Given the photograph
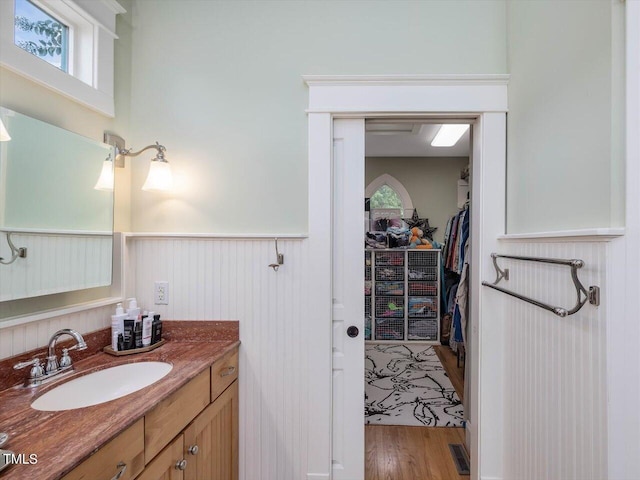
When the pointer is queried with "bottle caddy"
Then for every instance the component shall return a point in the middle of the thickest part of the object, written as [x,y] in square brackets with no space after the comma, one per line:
[133,331]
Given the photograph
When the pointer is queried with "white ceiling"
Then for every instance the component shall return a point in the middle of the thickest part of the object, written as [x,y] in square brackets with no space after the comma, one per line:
[409,139]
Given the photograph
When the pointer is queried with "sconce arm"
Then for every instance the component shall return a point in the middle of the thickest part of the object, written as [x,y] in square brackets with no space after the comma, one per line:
[159,157]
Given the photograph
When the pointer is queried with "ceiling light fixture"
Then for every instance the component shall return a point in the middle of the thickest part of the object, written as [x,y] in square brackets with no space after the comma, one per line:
[449,134]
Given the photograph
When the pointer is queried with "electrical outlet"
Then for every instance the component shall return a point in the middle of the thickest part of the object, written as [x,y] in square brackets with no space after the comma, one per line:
[161,293]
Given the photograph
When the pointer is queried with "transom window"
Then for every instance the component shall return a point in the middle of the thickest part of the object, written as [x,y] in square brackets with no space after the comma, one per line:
[387,192]
[386,197]
[41,34]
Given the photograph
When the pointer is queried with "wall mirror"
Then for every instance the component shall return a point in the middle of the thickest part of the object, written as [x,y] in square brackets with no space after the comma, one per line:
[50,206]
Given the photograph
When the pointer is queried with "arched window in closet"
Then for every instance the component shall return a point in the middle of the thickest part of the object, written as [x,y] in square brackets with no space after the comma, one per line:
[387,192]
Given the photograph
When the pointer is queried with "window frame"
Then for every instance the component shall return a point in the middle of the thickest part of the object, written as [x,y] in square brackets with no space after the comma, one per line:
[91,51]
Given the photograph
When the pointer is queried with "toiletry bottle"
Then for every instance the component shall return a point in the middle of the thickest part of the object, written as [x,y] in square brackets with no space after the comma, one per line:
[156,329]
[129,337]
[133,311]
[137,332]
[117,325]
[147,324]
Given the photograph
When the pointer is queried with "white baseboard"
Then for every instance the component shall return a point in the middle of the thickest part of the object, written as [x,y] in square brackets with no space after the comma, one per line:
[318,476]
[490,478]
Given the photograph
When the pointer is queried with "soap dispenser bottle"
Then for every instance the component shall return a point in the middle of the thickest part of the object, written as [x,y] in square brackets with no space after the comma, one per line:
[147,322]
[117,325]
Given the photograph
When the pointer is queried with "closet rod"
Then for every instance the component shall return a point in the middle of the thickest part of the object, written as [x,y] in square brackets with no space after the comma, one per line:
[592,295]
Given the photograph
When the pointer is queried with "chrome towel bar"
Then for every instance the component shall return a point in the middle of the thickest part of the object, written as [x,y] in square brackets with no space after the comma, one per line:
[583,295]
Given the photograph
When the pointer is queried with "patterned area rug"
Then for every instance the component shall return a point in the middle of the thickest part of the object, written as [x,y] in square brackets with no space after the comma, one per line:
[407,385]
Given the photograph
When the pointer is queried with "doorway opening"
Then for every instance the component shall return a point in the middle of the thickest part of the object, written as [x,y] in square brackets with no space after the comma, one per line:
[416,271]
[336,111]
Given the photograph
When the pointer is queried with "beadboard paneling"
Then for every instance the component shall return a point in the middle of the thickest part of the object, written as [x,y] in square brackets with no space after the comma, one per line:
[22,338]
[55,263]
[229,279]
[555,368]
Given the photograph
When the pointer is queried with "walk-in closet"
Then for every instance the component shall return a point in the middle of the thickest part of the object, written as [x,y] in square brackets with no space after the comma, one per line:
[416,265]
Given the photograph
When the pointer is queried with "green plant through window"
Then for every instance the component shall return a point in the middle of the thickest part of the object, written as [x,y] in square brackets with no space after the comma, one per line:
[386,197]
[40,34]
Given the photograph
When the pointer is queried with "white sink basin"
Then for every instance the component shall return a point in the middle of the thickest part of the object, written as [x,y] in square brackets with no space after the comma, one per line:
[102,386]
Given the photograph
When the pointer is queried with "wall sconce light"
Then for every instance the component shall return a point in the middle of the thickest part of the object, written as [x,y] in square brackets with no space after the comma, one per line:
[159,178]
[106,180]
[4,135]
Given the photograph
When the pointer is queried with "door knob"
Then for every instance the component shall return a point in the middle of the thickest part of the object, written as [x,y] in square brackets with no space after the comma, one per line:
[353,331]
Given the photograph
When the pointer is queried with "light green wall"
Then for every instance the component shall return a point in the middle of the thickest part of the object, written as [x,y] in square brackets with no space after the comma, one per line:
[432,184]
[29,98]
[565,144]
[219,84]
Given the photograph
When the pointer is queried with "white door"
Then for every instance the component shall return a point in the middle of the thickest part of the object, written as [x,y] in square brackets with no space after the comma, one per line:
[347,453]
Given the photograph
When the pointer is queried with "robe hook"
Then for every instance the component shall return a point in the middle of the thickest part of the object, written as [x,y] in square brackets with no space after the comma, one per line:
[279,258]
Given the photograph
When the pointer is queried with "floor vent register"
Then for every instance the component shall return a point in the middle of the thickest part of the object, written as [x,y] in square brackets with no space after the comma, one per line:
[460,458]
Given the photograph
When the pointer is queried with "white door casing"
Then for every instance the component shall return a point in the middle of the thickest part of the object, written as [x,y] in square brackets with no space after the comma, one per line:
[480,97]
[347,454]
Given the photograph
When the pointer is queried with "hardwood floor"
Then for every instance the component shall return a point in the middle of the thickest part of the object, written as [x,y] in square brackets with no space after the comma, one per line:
[410,453]
[449,362]
[416,453]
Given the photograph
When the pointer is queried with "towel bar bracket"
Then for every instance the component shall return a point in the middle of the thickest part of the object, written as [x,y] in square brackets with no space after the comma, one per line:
[582,294]
[500,273]
[594,295]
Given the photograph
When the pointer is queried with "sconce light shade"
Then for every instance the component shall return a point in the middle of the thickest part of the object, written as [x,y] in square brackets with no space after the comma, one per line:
[4,135]
[159,178]
[105,181]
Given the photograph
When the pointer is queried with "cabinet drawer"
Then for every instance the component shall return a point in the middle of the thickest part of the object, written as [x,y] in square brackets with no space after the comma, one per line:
[128,448]
[174,413]
[164,466]
[223,373]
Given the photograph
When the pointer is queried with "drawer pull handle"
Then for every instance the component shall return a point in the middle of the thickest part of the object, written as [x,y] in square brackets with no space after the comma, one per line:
[193,449]
[228,371]
[122,466]
[181,464]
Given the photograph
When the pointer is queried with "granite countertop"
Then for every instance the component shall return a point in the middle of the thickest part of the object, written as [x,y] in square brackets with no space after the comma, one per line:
[62,440]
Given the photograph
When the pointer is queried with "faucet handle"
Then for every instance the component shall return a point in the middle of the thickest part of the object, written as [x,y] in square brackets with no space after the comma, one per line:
[65,360]
[52,364]
[36,367]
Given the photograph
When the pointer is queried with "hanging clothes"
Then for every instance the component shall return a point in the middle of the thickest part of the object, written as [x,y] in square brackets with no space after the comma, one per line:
[456,260]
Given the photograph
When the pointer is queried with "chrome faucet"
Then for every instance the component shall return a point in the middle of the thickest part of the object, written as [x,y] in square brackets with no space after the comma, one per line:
[52,361]
[39,375]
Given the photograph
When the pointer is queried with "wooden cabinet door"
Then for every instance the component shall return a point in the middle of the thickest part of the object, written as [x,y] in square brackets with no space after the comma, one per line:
[165,465]
[174,413]
[211,441]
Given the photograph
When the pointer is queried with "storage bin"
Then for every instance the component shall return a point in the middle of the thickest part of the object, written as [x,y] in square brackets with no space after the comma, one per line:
[389,329]
[389,307]
[423,307]
[389,288]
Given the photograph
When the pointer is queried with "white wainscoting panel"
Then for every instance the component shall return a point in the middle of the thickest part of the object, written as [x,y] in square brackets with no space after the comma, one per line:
[229,279]
[22,338]
[555,368]
[55,263]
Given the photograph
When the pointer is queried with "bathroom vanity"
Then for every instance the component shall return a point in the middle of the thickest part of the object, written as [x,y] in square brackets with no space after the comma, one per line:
[184,426]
